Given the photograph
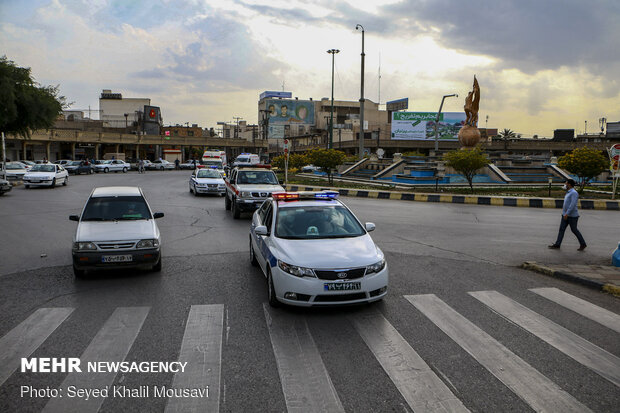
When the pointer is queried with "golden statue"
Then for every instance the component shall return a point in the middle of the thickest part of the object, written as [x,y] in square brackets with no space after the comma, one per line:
[469,135]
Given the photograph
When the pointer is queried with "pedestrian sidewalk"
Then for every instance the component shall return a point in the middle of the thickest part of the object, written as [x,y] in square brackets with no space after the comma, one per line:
[601,277]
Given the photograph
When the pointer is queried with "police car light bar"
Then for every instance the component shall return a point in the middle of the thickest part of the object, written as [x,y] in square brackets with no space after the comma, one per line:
[295,196]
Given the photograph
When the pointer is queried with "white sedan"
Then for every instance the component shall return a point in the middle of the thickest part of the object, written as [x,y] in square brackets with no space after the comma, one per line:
[207,181]
[315,252]
[15,171]
[160,165]
[46,175]
[114,165]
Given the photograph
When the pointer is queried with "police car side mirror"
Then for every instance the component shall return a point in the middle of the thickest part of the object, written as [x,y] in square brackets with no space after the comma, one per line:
[370,226]
[74,218]
[261,230]
[158,215]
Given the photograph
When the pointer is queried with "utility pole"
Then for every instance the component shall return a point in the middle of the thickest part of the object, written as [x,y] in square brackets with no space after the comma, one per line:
[361,143]
[437,120]
[331,122]
[236,135]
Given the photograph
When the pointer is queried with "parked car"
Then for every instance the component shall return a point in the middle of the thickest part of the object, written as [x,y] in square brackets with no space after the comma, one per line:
[15,171]
[114,165]
[160,165]
[46,175]
[310,168]
[5,186]
[29,163]
[78,167]
[63,162]
[189,164]
[116,229]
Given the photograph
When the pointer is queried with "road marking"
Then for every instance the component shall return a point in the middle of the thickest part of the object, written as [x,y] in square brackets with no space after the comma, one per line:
[25,338]
[419,385]
[111,344]
[202,350]
[583,307]
[525,381]
[306,384]
[569,343]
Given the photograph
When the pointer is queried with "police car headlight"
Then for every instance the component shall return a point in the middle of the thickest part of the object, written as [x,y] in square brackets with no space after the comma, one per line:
[246,194]
[376,267]
[147,243]
[295,270]
[84,246]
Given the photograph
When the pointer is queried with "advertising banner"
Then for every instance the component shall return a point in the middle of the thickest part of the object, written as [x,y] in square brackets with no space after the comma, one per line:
[276,132]
[290,111]
[421,125]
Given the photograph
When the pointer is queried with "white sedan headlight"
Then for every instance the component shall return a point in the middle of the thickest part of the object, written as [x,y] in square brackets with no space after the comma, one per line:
[84,246]
[295,270]
[147,243]
[376,267]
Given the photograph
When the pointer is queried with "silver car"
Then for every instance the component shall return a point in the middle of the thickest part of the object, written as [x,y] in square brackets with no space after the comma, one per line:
[116,229]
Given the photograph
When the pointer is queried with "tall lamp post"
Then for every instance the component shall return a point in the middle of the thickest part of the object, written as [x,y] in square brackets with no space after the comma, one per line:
[361,143]
[437,119]
[331,122]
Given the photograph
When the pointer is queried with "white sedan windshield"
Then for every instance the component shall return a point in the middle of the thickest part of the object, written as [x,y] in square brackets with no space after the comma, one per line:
[312,222]
[43,168]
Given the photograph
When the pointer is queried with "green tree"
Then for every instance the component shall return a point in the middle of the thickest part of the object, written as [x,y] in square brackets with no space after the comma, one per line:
[278,162]
[584,162]
[467,163]
[26,105]
[327,160]
[506,136]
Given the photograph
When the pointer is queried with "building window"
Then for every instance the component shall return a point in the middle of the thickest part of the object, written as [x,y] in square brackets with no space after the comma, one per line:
[190,133]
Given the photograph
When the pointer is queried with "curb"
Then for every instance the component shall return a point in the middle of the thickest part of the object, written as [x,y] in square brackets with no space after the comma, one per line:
[596,285]
[465,199]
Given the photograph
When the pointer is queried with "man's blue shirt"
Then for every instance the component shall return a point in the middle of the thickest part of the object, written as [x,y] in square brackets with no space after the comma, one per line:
[570,203]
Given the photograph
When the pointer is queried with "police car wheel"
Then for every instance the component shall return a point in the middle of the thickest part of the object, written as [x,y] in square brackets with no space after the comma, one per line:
[273,301]
[195,193]
[252,255]
[235,210]
[226,203]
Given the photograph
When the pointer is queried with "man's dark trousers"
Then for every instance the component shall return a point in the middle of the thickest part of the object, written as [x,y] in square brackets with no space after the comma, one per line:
[572,221]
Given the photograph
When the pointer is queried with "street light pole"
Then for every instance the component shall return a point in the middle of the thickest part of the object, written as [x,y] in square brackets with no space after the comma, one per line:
[361,142]
[331,123]
[437,119]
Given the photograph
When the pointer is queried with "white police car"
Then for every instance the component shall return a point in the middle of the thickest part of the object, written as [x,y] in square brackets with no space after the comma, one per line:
[314,251]
[207,181]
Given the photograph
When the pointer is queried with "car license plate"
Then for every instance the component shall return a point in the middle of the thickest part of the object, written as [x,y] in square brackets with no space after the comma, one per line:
[342,286]
[117,258]
[35,181]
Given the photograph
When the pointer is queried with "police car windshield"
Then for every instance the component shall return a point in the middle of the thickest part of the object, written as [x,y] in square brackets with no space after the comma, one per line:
[112,208]
[212,163]
[257,177]
[316,222]
[209,173]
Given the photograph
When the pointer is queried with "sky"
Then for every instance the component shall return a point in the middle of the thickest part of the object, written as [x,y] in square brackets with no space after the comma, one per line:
[541,64]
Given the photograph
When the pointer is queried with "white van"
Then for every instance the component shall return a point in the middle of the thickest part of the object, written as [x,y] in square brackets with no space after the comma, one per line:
[214,156]
[247,159]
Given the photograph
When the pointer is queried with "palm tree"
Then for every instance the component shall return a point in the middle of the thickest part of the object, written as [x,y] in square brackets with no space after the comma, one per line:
[507,135]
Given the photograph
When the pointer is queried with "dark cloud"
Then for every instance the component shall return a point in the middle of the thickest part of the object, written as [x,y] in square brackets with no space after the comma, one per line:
[224,58]
[529,35]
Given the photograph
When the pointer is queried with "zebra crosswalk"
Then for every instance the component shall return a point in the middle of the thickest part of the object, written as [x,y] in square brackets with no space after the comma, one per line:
[307,383]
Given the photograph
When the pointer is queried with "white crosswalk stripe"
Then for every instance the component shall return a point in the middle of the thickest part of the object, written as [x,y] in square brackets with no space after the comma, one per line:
[306,384]
[419,385]
[202,350]
[24,339]
[569,343]
[112,343]
[583,307]
[304,380]
[525,381]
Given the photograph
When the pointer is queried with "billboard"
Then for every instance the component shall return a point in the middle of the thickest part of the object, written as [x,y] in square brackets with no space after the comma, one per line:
[274,94]
[399,104]
[275,131]
[421,125]
[290,111]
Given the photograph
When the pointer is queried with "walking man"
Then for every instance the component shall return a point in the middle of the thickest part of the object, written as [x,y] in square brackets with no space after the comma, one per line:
[570,216]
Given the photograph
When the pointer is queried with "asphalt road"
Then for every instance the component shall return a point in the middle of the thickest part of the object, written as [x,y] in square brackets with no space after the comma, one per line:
[367,358]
